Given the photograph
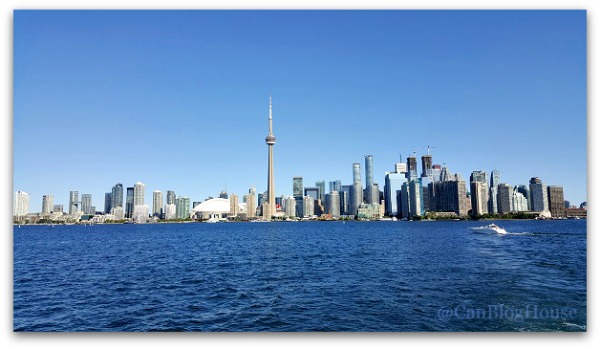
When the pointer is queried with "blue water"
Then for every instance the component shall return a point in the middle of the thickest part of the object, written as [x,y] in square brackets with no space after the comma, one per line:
[310,276]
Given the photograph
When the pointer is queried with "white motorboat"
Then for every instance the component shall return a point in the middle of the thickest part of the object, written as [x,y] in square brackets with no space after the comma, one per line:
[212,220]
[491,228]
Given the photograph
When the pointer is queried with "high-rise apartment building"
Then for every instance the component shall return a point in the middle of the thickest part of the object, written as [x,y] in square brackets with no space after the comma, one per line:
[73,202]
[556,201]
[129,202]
[234,205]
[86,203]
[157,203]
[504,198]
[47,203]
[332,204]
[538,195]
[21,204]
[138,194]
[107,202]
[182,207]
[171,197]
[356,195]
[117,196]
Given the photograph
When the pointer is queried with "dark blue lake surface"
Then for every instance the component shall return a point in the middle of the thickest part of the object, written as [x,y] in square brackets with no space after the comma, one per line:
[310,276]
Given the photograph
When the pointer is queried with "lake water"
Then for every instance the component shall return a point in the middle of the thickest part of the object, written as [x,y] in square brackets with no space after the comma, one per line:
[304,276]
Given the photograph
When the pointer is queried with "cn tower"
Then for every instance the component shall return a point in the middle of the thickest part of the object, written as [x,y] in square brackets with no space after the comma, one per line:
[270,140]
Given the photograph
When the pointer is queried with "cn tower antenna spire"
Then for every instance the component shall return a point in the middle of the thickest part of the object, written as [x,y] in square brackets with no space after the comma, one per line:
[270,115]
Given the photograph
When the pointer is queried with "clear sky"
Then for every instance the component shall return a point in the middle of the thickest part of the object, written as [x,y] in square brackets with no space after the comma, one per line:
[179,99]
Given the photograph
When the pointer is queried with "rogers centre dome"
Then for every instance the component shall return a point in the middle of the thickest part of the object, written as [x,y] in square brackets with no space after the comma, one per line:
[216,207]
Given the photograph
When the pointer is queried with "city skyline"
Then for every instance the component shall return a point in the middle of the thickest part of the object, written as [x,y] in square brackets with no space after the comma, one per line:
[197,147]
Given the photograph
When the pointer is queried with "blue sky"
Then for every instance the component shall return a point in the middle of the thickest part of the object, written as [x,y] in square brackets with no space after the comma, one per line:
[179,99]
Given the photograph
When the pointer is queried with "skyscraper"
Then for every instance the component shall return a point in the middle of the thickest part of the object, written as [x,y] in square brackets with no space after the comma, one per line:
[223,194]
[411,167]
[392,189]
[73,201]
[297,186]
[345,199]
[493,197]
[314,192]
[117,196]
[182,207]
[504,198]
[356,196]
[335,185]
[138,194]
[479,193]
[368,170]
[171,197]
[107,202]
[86,203]
[129,202]
[270,140]
[556,201]
[21,204]
[427,165]
[538,195]
[234,205]
[47,204]
[290,206]
[321,186]
[251,203]
[332,204]
[157,203]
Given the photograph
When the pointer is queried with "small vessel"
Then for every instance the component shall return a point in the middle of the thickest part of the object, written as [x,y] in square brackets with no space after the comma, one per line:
[491,228]
[212,220]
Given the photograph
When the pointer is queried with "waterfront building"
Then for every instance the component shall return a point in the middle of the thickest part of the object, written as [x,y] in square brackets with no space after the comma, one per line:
[345,199]
[309,206]
[493,196]
[251,203]
[171,197]
[449,196]
[332,204]
[369,179]
[129,202]
[234,205]
[117,213]
[524,190]
[519,201]
[182,207]
[107,202]
[290,206]
[504,198]
[21,204]
[356,194]
[297,186]
[58,209]
[117,196]
[369,211]
[299,206]
[138,194]
[157,204]
[415,197]
[270,140]
[86,203]
[73,202]
[141,213]
[47,203]
[479,198]
[556,201]
[538,194]
[392,189]
[170,211]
